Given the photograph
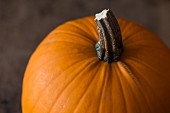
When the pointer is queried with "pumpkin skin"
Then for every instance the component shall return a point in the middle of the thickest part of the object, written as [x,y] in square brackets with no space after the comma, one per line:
[64,74]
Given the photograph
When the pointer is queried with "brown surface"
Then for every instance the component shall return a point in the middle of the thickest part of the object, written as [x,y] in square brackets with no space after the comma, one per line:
[23,24]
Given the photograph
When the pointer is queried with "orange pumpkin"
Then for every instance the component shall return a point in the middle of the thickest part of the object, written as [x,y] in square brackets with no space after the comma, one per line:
[64,75]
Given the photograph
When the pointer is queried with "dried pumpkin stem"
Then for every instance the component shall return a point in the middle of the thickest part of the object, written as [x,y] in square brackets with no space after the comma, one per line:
[109,48]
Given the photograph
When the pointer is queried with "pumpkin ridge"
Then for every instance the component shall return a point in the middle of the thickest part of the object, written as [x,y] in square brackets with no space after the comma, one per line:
[90,20]
[76,25]
[123,23]
[74,43]
[126,28]
[111,86]
[69,67]
[102,90]
[85,91]
[144,79]
[144,64]
[123,91]
[118,79]
[77,35]
[77,54]
[67,85]
[140,90]
[127,38]
[56,41]
[91,23]
[130,73]
[125,66]
[71,54]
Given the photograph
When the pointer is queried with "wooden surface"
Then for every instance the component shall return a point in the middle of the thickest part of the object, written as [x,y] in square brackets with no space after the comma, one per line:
[24,23]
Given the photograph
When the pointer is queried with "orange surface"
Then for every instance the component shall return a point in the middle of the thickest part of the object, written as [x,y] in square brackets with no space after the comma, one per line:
[64,74]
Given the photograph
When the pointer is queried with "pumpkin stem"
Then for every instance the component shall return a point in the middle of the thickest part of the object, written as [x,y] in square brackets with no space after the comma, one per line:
[109,48]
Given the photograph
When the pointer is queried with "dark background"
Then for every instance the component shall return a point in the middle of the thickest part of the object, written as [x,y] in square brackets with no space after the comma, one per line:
[24,23]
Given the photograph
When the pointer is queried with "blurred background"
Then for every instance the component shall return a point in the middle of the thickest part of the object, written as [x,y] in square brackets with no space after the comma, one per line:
[24,24]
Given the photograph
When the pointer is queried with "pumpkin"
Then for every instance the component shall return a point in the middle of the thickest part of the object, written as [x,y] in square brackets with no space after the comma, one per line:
[109,65]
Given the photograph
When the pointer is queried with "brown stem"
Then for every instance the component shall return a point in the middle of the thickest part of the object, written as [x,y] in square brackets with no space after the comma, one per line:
[109,48]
